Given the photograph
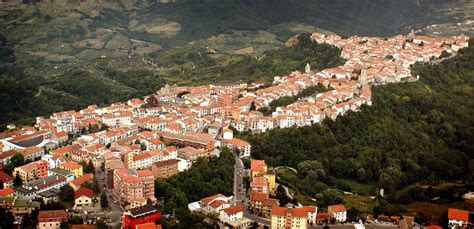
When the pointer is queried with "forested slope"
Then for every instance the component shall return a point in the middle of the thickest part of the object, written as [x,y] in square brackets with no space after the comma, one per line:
[413,132]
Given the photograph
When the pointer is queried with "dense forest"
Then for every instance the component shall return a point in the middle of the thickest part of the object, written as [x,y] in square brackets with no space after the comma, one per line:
[417,132]
[207,177]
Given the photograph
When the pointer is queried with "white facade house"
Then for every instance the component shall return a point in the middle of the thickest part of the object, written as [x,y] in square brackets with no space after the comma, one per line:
[231,213]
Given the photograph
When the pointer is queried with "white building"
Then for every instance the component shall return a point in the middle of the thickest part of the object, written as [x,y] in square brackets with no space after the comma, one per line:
[338,212]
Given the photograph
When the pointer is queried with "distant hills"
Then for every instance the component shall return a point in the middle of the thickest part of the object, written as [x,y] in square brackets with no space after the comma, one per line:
[107,46]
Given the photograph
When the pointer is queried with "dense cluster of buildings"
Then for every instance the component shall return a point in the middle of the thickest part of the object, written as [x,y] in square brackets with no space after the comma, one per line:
[139,140]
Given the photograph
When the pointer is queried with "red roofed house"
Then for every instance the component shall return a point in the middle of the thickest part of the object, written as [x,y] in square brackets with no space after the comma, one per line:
[6,179]
[231,213]
[78,182]
[457,217]
[262,205]
[243,146]
[51,219]
[165,169]
[338,212]
[83,198]
[6,192]
[207,202]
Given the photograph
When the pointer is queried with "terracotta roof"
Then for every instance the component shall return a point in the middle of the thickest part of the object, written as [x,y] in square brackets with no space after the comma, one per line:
[166,163]
[144,173]
[458,214]
[257,165]
[234,209]
[148,226]
[52,214]
[323,215]
[217,203]
[6,192]
[258,196]
[259,181]
[209,199]
[141,156]
[83,192]
[278,210]
[82,179]
[4,177]
[337,208]
[70,165]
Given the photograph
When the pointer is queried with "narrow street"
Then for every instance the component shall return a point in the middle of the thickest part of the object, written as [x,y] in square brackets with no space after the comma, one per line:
[114,215]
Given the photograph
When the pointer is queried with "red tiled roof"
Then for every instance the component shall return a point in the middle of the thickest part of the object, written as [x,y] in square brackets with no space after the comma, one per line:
[217,203]
[144,173]
[337,208]
[70,165]
[278,210]
[209,199]
[82,179]
[6,192]
[257,165]
[4,177]
[234,209]
[458,214]
[83,192]
[52,214]
[258,196]
[148,226]
[259,181]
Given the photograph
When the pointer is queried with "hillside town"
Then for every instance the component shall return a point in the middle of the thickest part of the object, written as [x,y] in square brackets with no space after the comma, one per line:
[112,155]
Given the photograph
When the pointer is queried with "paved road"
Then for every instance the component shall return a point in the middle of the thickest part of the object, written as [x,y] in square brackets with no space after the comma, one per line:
[239,189]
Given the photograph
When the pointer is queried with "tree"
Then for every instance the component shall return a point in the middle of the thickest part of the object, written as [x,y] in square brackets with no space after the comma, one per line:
[104,202]
[64,225]
[67,193]
[17,160]
[151,100]
[313,167]
[17,181]
[91,167]
[252,106]
[95,185]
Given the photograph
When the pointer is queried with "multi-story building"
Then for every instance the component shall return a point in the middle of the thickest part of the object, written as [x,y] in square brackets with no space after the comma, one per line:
[165,169]
[134,185]
[140,215]
[73,167]
[338,212]
[51,219]
[286,218]
[6,179]
[258,168]
[231,213]
[458,218]
[83,198]
[262,205]
[31,190]
[259,184]
[32,171]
